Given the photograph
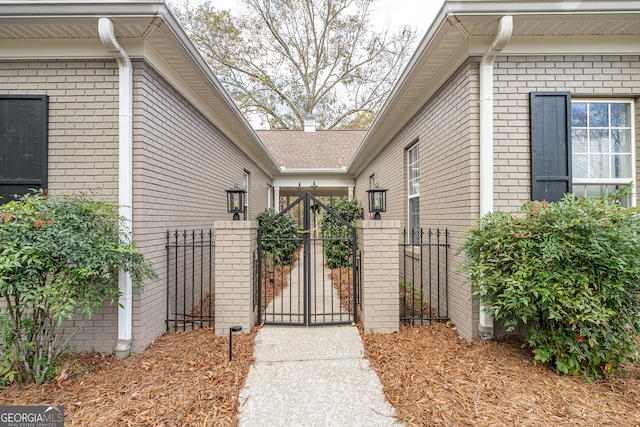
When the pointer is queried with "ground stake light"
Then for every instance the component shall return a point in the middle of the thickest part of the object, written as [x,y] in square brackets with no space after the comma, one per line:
[235,201]
[377,200]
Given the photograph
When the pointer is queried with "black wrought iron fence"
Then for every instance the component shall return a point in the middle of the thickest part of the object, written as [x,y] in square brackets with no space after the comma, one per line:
[190,283]
[424,278]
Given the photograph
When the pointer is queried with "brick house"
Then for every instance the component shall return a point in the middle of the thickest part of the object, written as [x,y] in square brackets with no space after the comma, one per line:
[504,102]
[490,83]
[185,141]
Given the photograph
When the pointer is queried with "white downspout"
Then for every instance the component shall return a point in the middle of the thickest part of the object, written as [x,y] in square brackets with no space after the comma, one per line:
[125,175]
[505,29]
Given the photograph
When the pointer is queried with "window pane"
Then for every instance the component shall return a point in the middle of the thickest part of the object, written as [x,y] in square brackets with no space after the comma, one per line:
[413,188]
[413,173]
[598,166]
[579,140]
[598,115]
[621,140]
[412,155]
[594,190]
[620,115]
[579,115]
[599,141]
[414,219]
[622,166]
[580,166]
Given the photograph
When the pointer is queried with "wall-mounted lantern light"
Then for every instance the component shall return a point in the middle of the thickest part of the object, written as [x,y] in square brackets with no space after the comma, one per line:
[377,200]
[235,201]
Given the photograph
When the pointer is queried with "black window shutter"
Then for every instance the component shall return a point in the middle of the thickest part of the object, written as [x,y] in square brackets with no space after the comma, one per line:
[550,145]
[23,144]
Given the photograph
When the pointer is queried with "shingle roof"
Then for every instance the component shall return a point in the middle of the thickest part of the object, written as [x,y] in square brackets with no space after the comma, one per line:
[323,149]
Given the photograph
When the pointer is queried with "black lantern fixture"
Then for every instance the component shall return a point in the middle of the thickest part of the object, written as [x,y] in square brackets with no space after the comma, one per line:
[235,201]
[377,200]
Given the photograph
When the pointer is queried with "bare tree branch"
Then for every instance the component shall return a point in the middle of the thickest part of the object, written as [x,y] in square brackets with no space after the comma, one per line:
[284,59]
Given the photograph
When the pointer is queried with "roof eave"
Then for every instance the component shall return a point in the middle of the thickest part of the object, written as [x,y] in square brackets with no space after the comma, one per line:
[262,152]
[359,158]
[381,132]
[240,132]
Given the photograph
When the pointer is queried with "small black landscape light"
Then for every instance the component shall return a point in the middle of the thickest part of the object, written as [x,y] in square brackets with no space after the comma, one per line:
[231,331]
[235,201]
[377,200]
[271,276]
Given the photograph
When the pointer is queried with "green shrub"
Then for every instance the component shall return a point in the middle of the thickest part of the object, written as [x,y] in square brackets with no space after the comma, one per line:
[60,257]
[337,236]
[570,272]
[281,239]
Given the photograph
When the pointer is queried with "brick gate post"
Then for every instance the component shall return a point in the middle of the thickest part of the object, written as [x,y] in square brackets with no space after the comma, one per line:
[235,243]
[378,242]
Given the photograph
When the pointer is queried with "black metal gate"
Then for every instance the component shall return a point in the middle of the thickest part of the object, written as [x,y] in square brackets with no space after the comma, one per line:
[306,269]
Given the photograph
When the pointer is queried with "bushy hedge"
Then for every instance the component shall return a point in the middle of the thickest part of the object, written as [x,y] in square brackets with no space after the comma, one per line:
[570,272]
[280,240]
[59,256]
[337,243]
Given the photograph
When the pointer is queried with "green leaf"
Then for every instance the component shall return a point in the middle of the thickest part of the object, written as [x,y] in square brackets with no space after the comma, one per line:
[60,257]
[569,272]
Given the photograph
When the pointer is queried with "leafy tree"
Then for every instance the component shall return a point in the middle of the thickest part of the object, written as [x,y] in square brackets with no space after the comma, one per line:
[337,236]
[570,272]
[59,257]
[284,59]
[280,239]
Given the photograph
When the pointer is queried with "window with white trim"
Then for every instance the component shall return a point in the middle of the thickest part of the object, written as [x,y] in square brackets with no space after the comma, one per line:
[413,192]
[602,146]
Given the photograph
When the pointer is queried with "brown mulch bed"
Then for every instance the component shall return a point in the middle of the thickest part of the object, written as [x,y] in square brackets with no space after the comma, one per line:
[281,275]
[434,378]
[341,277]
[182,379]
[280,282]
[429,374]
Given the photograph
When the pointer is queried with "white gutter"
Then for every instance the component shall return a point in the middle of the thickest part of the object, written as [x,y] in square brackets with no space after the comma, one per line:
[125,175]
[505,29]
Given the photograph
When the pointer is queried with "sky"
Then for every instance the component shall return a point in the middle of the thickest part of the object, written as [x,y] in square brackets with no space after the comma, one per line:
[398,13]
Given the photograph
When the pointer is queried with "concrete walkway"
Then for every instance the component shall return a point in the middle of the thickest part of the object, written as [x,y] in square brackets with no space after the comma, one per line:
[314,376]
